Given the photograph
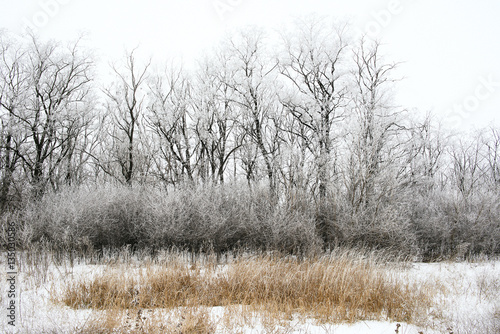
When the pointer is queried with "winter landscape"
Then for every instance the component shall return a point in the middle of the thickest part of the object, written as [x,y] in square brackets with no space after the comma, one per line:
[288,173]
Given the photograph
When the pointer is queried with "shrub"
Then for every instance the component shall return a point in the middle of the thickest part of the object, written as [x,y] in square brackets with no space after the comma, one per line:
[209,218]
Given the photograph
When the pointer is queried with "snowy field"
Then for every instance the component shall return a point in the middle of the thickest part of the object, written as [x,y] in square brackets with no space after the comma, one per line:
[466,300]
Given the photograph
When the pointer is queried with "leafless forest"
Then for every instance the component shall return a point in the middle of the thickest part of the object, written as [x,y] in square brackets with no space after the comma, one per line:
[292,145]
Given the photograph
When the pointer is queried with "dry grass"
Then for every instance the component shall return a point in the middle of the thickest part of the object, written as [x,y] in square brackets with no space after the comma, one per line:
[136,321]
[342,287]
[330,289]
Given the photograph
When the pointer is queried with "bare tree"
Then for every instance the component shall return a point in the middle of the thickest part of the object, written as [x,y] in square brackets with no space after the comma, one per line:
[13,91]
[313,65]
[374,145]
[56,84]
[171,120]
[492,143]
[125,104]
[296,165]
[215,115]
[74,169]
[468,166]
[256,99]
[425,152]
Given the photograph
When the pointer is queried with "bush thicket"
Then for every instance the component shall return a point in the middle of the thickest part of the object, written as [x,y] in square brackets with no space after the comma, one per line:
[234,217]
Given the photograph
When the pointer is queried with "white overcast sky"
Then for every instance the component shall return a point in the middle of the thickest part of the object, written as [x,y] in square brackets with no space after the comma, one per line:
[450,48]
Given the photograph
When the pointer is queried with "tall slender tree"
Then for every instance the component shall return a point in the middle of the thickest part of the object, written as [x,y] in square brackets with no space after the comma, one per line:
[171,119]
[126,105]
[256,99]
[313,63]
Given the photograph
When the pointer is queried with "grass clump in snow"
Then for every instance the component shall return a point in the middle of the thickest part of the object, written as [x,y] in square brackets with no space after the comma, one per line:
[182,321]
[341,287]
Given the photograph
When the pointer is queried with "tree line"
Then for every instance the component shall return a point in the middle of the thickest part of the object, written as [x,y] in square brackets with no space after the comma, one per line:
[310,116]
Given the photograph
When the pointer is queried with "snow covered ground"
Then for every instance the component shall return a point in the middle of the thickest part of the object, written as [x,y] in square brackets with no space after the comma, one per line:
[466,300]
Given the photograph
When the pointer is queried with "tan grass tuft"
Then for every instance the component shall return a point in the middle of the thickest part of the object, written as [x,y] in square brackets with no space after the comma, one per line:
[340,287]
[138,321]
